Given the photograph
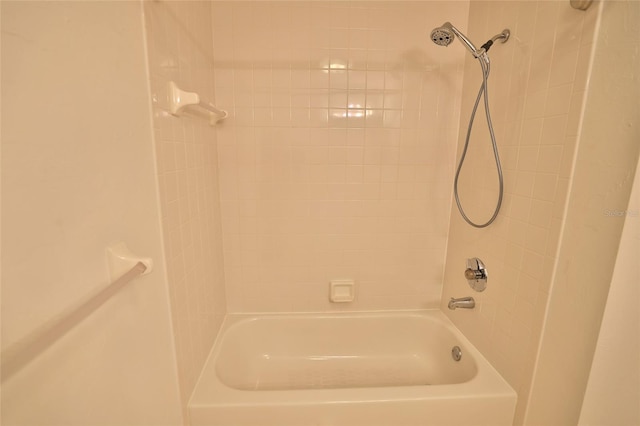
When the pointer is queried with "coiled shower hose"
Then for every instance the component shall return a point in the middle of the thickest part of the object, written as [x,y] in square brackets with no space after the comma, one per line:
[484,64]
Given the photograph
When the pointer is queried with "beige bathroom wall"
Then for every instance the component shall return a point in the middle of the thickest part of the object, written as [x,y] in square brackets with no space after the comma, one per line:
[613,390]
[180,50]
[77,176]
[606,160]
[536,87]
[337,159]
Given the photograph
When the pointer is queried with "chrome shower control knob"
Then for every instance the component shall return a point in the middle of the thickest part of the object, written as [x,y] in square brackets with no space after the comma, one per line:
[476,274]
[471,274]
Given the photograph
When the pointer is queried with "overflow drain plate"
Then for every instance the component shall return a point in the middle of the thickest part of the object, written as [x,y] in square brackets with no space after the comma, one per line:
[456,353]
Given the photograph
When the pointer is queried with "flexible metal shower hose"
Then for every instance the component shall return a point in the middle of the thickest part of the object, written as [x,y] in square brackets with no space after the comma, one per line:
[484,63]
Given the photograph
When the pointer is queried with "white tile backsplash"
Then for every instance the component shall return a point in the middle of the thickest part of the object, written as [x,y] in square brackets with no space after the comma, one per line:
[338,161]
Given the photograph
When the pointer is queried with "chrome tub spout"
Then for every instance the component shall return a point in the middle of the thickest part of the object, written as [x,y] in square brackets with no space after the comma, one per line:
[463,302]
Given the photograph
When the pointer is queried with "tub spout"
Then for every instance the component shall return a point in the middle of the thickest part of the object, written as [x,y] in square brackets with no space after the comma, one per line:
[463,302]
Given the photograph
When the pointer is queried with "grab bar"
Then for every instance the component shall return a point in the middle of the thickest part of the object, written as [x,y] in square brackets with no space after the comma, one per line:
[180,99]
[21,353]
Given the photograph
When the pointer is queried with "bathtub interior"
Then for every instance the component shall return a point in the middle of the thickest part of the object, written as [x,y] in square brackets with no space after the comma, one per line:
[330,352]
[347,369]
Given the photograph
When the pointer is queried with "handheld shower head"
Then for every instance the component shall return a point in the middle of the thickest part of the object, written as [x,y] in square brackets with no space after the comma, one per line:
[442,36]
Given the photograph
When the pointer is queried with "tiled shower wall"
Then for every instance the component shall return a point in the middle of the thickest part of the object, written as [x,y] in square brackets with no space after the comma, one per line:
[536,88]
[337,159]
[180,50]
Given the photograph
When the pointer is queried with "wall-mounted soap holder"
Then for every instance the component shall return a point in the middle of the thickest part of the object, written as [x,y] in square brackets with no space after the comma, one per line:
[342,291]
[180,99]
[121,260]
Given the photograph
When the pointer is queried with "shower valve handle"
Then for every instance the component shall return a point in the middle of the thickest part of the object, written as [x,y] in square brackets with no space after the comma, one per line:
[471,274]
[476,274]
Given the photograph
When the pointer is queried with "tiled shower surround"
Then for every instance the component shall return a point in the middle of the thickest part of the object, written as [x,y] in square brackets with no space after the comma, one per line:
[337,160]
[180,50]
[536,89]
[338,157]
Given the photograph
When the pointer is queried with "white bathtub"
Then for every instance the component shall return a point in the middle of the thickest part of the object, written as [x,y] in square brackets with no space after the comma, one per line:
[366,369]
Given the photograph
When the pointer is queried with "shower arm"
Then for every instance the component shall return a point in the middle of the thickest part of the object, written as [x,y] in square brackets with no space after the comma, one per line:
[481,54]
[503,37]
